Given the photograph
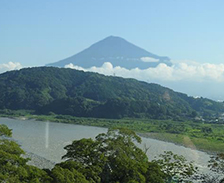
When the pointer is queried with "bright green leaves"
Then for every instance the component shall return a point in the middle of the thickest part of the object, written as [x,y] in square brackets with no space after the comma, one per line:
[76,171]
[83,151]
[10,147]
[5,131]
[64,175]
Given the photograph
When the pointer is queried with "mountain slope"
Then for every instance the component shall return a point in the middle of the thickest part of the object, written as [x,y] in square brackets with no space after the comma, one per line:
[67,91]
[117,51]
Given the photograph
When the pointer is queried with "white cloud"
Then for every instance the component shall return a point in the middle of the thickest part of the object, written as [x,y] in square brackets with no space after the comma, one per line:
[71,66]
[177,72]
[10,66]
[149,59]
[200,72]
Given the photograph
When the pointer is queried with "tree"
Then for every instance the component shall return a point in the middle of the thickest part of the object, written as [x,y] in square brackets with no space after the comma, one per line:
[114,157]
[154,173]
[13,167]
[5,131]
[68,174]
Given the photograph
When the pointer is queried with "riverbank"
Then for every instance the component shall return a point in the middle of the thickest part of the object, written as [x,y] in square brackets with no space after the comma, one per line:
[204,137]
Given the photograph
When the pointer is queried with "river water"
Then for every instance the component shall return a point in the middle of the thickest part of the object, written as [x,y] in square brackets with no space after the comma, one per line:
[47,139]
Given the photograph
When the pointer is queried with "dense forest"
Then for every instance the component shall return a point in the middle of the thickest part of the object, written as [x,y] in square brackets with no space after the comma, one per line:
[47,90]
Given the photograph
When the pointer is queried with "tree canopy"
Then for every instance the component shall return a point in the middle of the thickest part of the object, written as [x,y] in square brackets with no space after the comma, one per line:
[113,157]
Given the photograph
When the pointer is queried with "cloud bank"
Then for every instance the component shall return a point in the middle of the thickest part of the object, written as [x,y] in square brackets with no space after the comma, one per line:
[178,72]
[10,66]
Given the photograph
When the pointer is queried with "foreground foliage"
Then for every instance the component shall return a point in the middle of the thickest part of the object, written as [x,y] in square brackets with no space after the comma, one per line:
[112,157]
[13,167]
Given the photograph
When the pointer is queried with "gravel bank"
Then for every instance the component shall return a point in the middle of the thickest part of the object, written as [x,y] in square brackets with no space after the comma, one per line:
[39,161]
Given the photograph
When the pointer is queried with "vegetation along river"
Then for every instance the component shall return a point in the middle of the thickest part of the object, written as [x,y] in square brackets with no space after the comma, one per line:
[46,140]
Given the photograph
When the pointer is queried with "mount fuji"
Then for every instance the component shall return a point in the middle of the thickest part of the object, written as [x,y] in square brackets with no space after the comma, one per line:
[118,52]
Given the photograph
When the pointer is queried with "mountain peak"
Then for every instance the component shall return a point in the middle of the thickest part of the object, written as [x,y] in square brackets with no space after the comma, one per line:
[118,52]
[113,37]
[111,40]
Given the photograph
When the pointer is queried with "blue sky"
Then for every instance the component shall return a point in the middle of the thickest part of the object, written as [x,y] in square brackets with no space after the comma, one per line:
[38,32]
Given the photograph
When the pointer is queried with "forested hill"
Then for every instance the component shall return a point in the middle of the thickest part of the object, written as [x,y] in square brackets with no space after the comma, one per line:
[84,94]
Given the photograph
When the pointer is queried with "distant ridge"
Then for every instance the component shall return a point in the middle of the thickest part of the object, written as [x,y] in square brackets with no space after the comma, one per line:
[118,52]
[84,94]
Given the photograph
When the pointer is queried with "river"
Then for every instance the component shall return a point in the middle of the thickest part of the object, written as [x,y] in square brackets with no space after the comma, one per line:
[47,139]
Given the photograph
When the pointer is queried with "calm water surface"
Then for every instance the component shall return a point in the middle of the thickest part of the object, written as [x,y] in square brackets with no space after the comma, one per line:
[47,139]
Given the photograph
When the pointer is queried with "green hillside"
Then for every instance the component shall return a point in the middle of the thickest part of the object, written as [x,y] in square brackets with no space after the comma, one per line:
[84,94]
